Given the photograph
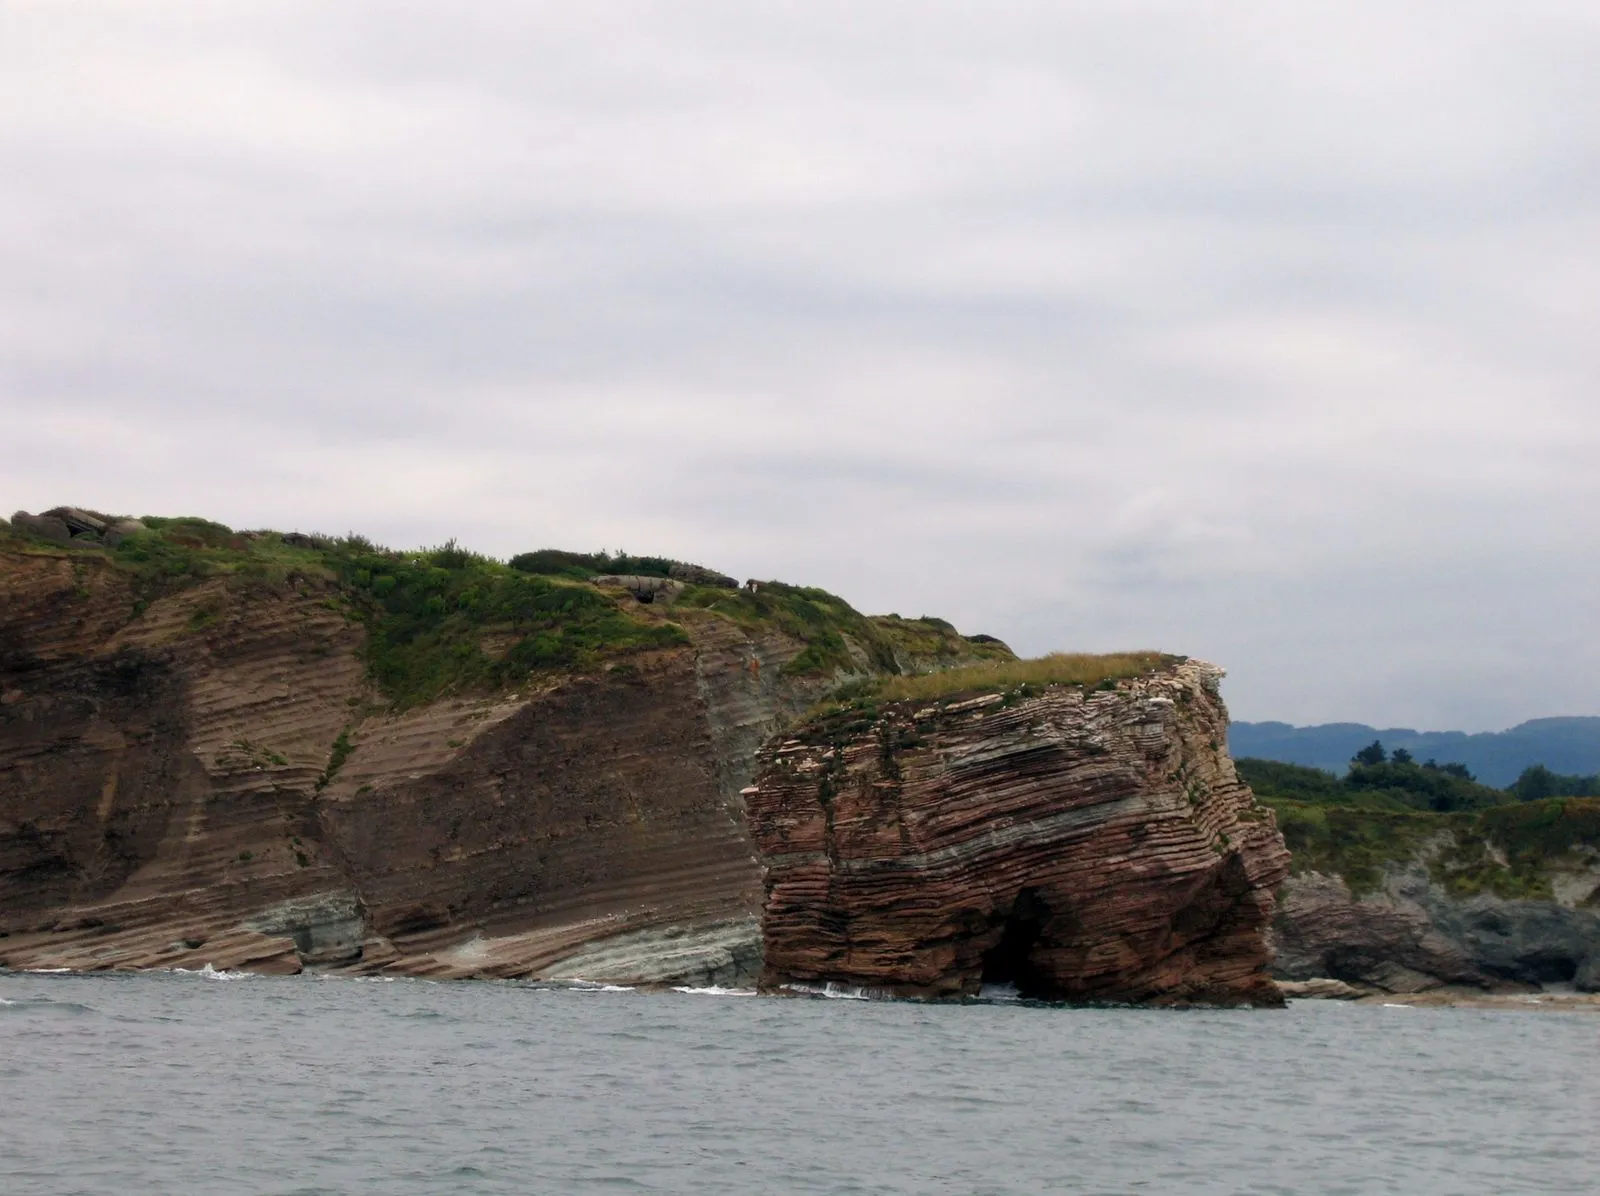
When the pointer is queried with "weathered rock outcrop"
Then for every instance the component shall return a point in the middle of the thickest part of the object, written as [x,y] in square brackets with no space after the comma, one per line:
[212,778]
[200,764]
[1082,846]
[64,525]
[1412,934]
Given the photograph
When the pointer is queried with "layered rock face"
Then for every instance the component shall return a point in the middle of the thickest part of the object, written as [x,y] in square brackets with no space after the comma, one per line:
[1412,935]
[212,779]
[1081,846]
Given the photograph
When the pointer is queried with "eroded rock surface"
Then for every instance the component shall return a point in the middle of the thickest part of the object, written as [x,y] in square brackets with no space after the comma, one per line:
[211,778]
[1412,935]
[1082,846]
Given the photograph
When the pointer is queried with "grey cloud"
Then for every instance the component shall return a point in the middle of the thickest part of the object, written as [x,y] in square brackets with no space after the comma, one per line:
[1256,331]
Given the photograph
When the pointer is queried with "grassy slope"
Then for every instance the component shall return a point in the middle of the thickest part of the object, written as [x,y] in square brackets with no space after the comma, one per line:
[1500,846]
[445,620]
[856,706]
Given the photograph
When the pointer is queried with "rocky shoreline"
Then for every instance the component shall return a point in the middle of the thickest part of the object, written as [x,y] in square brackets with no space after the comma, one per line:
[1445,997]
[199,766]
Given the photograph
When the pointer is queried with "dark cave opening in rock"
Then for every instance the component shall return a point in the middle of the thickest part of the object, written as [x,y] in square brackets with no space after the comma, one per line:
[1546,969]
[1010,961]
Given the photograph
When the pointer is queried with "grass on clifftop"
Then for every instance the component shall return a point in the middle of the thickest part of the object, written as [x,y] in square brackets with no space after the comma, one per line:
[1011,676]
[824,622]
[448,621]
[820,619]
[445,620]
[1058,668]
[439,621]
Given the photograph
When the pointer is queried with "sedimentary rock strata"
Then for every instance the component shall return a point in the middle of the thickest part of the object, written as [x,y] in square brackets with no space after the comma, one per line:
[212,778]
[1082,846]
[1412,935]
[200,768]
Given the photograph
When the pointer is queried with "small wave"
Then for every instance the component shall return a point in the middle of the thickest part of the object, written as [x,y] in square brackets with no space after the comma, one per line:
[47,971]
[831,991]
[46,1005]
[1397,1005]
[1003,994]
[210,973]
[594,986]
[713,990]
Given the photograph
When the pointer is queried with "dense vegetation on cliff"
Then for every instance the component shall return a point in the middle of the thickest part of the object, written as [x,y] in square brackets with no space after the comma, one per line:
[1379,785]
[1473,837]
[447,620]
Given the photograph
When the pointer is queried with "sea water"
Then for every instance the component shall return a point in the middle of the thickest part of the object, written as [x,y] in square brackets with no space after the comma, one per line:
[213,1083]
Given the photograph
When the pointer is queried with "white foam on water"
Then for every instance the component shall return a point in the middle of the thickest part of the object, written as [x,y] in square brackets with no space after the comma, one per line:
[3,1001]
[46,971]
[713,990]
[831,991]
[999,992]
[210,973]
[1397,1005]
[593,986]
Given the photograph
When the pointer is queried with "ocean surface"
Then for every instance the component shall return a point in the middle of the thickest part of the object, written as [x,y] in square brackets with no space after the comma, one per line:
[179,1083]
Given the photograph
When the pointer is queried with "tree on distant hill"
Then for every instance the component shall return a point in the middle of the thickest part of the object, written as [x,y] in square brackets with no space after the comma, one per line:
[1454,769]
[1569,746]
[1388,784]
[1373,753]
[1401,756]
[1538,782]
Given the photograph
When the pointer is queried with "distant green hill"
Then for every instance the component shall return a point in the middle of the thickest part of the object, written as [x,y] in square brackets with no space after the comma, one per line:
[1564,745]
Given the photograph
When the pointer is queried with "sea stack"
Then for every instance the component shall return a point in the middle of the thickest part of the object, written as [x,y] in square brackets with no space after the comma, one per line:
[1080,844]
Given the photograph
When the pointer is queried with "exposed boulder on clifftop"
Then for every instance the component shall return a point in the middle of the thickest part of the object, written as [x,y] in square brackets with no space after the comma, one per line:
[1079,844]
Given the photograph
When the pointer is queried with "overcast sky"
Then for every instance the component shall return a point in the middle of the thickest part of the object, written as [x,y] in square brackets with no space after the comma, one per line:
[1263,332]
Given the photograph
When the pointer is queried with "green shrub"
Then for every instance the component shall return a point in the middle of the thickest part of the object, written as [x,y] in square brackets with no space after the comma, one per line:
[1422,787]
[581,566]
[819,619]
[1388,785]
[1538,782]
[1506,850]
[426,613]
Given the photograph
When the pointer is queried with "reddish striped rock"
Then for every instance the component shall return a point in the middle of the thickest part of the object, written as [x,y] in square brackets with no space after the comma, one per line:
[1093,846]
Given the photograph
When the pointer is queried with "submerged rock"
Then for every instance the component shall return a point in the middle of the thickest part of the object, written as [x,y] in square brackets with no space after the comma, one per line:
[1081,846]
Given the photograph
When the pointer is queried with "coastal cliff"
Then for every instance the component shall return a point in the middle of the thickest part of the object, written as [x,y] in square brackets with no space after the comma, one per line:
[271,752]
[1405,903]
[1085,841]
[277,751]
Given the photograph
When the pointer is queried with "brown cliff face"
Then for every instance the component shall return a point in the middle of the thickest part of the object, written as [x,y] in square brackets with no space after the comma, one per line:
[1082,846]
[213,779]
